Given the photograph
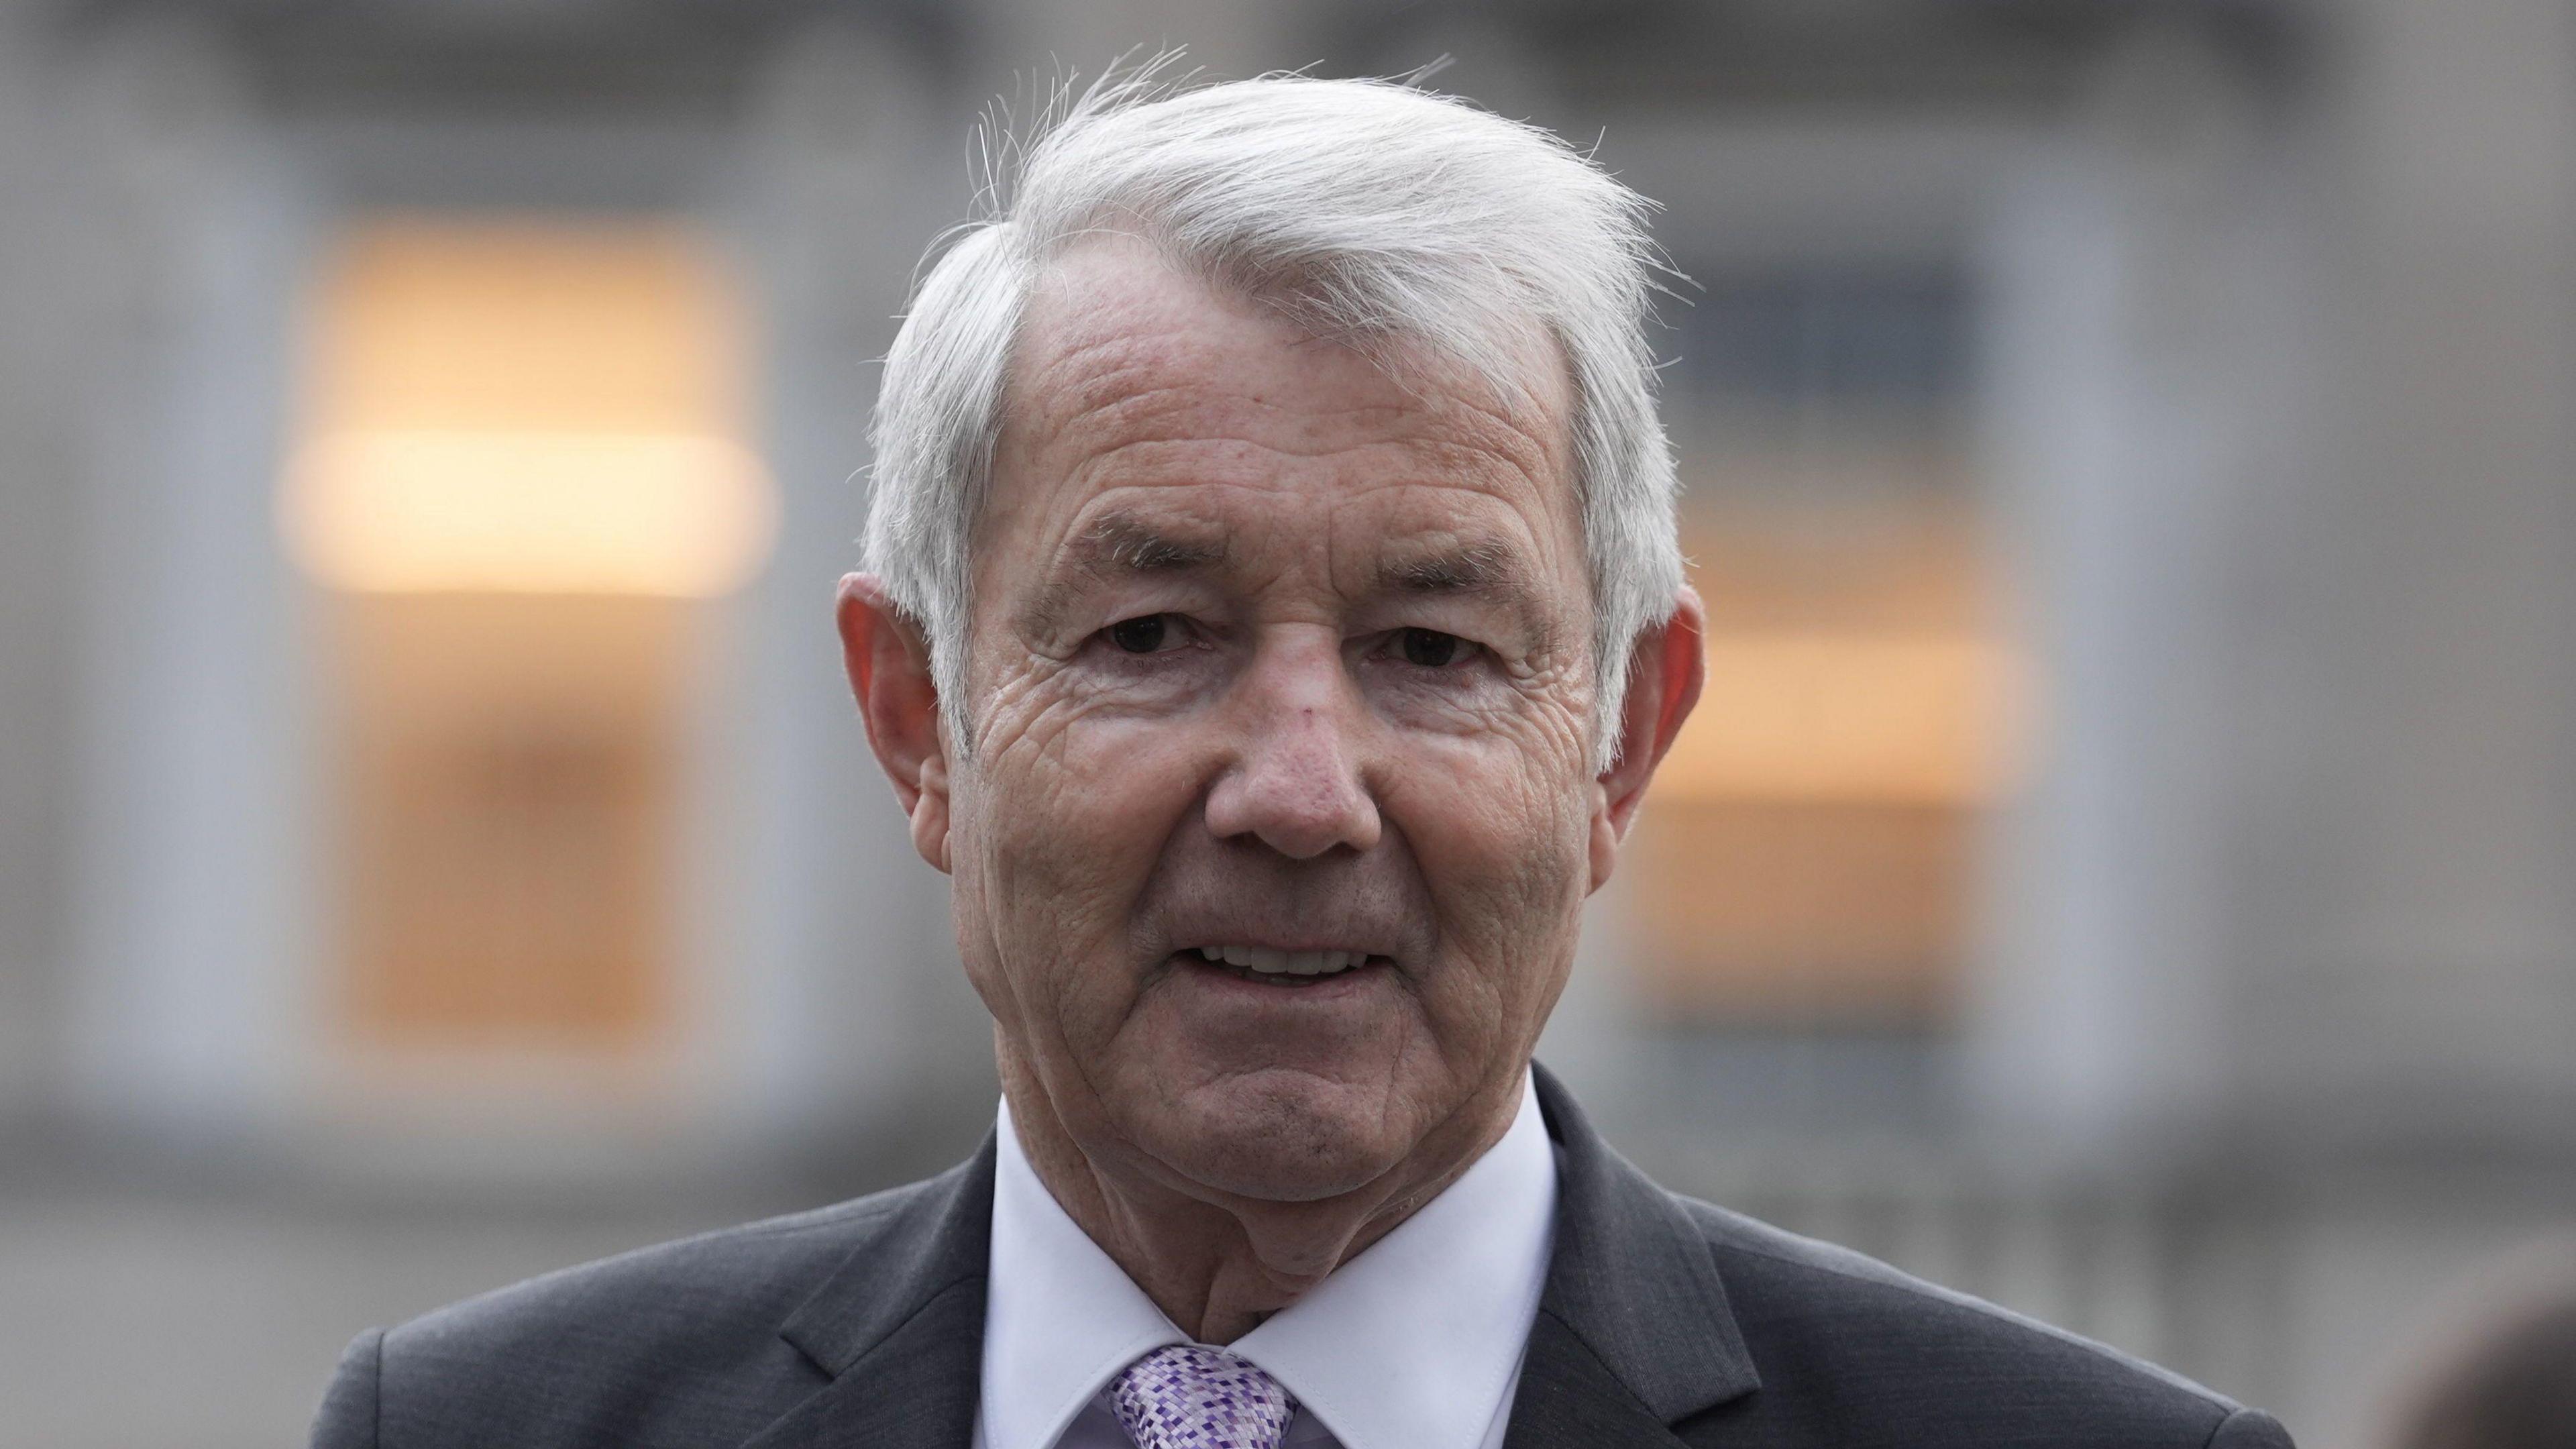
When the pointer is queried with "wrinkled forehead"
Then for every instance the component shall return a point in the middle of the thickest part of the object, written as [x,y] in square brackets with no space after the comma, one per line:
[1117,347]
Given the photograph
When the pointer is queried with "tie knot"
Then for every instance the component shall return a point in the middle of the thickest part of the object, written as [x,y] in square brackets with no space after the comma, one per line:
[1191,1396]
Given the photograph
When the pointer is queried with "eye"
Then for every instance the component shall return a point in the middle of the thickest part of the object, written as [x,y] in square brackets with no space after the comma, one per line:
[1431,649]
[1143,634]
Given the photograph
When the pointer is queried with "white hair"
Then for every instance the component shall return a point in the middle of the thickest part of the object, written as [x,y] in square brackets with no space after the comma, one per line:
[1366,209]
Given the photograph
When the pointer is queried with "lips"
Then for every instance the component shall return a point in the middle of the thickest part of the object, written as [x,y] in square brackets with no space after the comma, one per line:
[1271,961]
[1286,967]
[1319,928]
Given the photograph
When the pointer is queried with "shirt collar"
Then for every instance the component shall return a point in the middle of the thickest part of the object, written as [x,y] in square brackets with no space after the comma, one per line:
[1413,1344]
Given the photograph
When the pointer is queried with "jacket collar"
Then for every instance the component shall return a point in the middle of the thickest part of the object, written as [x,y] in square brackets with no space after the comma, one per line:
[1633,1334]
[900,1325]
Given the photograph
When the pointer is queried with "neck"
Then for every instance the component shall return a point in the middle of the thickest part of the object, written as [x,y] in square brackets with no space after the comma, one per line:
[1217,1264]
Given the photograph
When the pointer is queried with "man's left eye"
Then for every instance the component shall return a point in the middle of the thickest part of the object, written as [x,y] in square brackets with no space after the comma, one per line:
[1143,634]
[1432,649]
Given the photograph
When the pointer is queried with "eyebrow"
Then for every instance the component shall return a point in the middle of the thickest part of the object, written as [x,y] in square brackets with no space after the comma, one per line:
[1471,568]
[1123,542]
[1494,570]
[1116,544]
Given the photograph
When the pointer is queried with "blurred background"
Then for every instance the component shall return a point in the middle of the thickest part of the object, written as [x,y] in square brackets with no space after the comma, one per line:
[2124,864]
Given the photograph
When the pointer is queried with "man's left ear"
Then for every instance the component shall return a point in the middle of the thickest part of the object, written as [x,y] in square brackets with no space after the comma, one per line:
[1665,671]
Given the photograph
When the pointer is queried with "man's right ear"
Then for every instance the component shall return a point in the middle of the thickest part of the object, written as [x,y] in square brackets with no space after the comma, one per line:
[889,667]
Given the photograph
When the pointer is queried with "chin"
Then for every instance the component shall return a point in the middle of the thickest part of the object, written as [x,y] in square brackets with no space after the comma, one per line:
[1281,1136]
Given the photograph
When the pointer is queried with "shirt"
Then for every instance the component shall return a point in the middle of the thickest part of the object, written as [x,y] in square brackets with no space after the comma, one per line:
[1415,1343]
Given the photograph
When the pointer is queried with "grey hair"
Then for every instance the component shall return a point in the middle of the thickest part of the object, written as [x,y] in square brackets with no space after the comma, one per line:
[1367,209]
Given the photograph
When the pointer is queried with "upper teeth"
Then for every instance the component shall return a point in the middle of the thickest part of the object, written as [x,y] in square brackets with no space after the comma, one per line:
[1293,963]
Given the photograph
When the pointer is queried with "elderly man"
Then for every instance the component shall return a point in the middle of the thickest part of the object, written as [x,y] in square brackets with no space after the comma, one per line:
[1273,620]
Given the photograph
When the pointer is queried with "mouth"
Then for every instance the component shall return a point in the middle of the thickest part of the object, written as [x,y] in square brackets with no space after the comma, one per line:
[1271,966]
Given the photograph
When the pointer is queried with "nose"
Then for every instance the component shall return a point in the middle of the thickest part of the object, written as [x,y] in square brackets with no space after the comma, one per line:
[1297,784]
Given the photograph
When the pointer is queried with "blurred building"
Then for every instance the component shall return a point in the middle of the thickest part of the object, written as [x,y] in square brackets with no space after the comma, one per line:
[2124,864]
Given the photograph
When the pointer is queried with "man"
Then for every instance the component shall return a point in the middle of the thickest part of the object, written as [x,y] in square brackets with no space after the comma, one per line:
[1273,620]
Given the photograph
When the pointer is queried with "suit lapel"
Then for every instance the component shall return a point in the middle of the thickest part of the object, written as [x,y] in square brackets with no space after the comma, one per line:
[1569,1399]
[1634,1332]
[900,1327]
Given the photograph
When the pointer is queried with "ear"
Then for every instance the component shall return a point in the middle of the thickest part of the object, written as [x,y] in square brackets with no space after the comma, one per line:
[1665,671]
[889,667]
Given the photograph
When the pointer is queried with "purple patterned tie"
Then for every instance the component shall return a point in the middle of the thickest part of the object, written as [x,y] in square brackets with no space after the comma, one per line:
[1190,1396]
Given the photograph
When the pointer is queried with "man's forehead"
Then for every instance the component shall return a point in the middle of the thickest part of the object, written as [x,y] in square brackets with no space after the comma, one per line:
[1118,346]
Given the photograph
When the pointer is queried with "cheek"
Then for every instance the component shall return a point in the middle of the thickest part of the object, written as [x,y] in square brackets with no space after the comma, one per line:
[1069,814]
[1501,830]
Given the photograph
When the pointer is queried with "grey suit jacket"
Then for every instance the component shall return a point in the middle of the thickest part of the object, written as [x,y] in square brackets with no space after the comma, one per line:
[1665,1322]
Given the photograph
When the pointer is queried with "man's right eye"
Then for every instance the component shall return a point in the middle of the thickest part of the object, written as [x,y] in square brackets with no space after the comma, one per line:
[1143,634]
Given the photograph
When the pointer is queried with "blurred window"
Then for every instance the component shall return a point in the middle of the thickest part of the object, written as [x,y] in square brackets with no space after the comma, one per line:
[518,478]
[1807,862]
[1893,337]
